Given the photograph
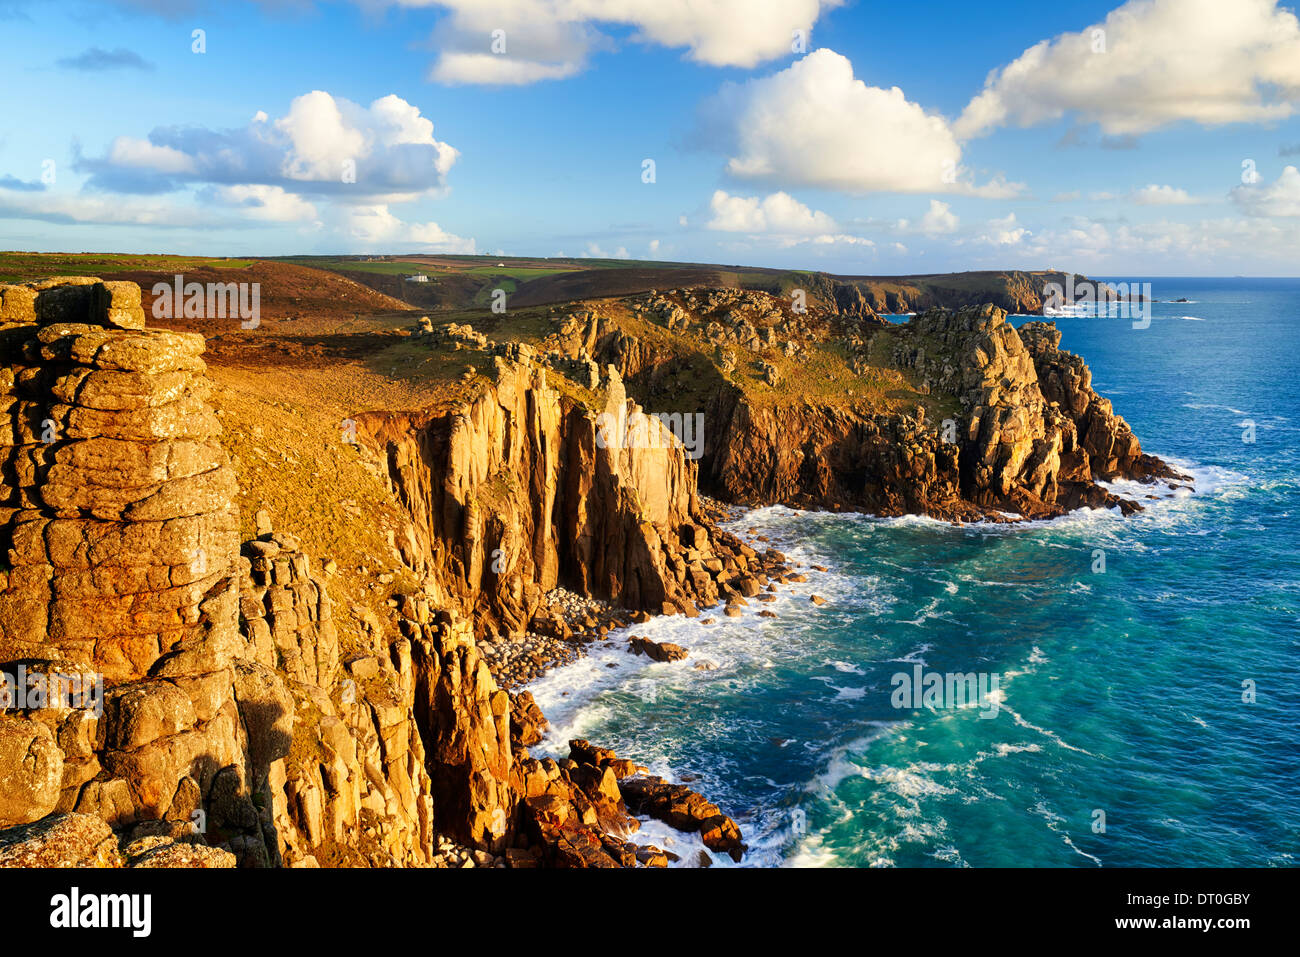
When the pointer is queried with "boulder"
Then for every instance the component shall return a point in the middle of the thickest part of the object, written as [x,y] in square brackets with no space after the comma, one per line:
[61,840]
[31,771]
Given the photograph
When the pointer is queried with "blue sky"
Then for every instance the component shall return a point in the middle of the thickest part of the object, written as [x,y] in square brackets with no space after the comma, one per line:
[1157,137]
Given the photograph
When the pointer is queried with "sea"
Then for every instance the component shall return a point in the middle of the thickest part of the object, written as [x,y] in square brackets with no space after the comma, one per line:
[1136,680]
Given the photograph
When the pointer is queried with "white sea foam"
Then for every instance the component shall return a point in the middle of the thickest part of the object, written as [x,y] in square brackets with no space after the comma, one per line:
[928,613]
[584,696]
[913,657]
[1004,749]
[1054,822]
[1050,735]
[840,767]
[949,855]
[686,845]
[811,851]
[1208,480]
[1210,407]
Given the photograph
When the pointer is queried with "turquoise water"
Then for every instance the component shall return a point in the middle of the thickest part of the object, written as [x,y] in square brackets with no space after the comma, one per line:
[1119,691]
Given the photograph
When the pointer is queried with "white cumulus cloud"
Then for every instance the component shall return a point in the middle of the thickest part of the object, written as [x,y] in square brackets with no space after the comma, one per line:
[524,41]
[1006,231]
[777,212]
[131,153]
[939,219]
[85,209]
[489,70]
[323,144]
[777,218]
[1151,63]
[1154,195]
[328,161]
[815,124]
[374,227]
[270,203]
[1279,198]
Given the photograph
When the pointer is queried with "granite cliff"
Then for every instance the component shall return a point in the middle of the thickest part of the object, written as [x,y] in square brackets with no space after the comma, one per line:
[1022,432]
[211,718]
[186,685]
[954,414]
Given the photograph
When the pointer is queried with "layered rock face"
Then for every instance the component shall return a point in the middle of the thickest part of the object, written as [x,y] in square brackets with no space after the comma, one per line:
[1015,292]
[830,457]
[334,744]
[1035,438]
[1027,433]
[119,541]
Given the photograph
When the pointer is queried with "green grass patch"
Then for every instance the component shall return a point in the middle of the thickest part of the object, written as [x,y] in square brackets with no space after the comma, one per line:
[23,267]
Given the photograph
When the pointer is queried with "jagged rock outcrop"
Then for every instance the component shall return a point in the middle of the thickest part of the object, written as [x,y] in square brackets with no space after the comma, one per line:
[347,778]
[86,841]
[813,456]
[574,814]
[1027,434]
[851,303]
[1035,436]
[61,840]
[1014,291]
[684,809]
[656,650]
[464,720]
[523,490]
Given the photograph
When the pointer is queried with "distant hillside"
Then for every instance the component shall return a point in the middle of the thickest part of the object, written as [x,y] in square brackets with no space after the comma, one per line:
[456,282]
[324,287]
[1012,290]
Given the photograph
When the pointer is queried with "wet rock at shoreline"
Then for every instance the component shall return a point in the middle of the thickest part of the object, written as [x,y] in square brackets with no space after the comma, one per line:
[656,650]
[686,810]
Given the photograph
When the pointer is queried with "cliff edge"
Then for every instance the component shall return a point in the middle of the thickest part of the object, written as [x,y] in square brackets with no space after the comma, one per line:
[235,631]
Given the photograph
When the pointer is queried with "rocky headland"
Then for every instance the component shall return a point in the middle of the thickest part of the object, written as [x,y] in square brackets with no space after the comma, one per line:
[280,675]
